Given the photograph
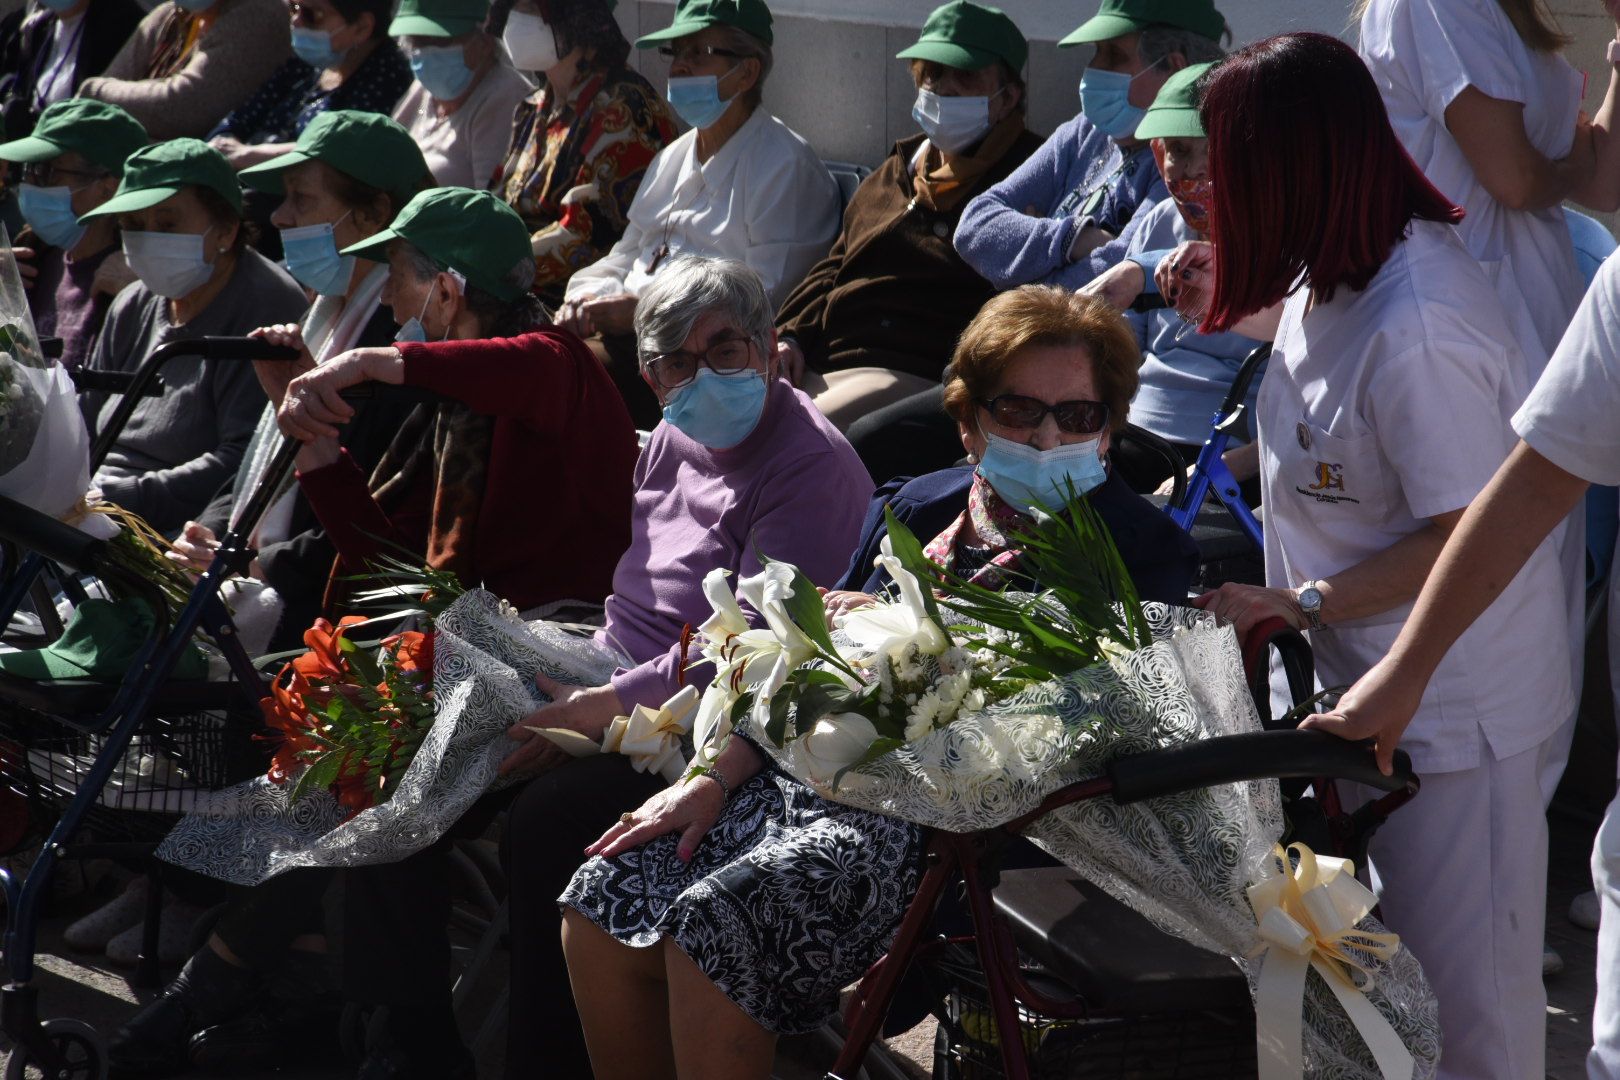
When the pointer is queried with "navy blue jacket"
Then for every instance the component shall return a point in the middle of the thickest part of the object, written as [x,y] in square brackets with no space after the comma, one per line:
[1162,559]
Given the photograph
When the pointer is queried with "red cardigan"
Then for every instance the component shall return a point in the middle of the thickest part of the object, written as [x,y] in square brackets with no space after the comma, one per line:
[555,515]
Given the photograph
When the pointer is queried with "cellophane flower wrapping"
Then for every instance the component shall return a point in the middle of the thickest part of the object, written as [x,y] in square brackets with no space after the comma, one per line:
[1183,861]
[484,662]
[44,445]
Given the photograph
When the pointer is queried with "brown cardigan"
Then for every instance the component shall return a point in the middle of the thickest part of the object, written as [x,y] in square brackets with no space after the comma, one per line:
[892,293]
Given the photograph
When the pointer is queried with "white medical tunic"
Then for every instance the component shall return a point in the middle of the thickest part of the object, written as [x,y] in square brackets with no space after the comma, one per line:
[1380,410]
[763,199]
[1422,54]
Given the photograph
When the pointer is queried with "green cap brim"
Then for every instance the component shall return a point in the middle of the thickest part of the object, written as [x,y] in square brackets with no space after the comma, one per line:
[29,150]
[675,30]
[1101,28]
[131,201]
[1170,124]
[951,55]
[423,26]
[266,175]
[40,665]
[373,247]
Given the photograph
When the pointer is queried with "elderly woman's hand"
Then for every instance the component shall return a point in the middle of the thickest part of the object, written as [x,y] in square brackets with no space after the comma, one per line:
[587,710]
[571,316]
[1246,606]
[195,547]
[1119,285]
[313,406]
[840,602]
[612,315]
[1186,278]
[790,360]
[689,808]
[276,375]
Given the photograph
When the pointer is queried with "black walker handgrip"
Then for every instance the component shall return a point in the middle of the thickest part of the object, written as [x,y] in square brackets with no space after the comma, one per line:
[62,544]
[1256,755]
[243,348]
[1238,393]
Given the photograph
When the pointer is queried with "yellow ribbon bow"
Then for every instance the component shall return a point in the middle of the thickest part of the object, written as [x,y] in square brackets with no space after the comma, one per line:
[651,738]
[1307,916]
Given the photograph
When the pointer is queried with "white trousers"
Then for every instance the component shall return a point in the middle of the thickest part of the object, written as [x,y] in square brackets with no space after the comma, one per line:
[1603,1062]
[1462,872]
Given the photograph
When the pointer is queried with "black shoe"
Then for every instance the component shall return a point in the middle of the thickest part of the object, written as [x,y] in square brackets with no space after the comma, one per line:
[207,991]
[295,1014]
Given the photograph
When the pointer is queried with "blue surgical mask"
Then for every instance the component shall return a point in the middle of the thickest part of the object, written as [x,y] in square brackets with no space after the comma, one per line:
[1105,100]
[952,123]
[314,47]
[442,71]
[49,212]
[718,411]
[413,330]
[169,264]
[696,98]
[313,259]
[1025,477]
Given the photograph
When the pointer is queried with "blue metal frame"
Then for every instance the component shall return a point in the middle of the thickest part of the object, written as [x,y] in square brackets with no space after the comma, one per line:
[1210,471]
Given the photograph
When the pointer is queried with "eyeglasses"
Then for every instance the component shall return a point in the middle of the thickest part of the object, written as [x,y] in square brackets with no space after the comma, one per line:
[725,356]
[692,54]
[305,14]
[46,174]
[1024,412]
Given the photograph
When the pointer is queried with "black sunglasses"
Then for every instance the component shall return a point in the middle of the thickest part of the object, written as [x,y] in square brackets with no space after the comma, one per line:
[1023,411]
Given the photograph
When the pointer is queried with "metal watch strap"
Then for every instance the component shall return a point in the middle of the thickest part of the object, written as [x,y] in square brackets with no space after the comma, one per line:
[1313,614]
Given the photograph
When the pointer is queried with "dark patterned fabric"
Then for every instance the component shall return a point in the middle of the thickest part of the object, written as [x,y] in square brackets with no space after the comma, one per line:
[789,898]
[280,109]
[574,167]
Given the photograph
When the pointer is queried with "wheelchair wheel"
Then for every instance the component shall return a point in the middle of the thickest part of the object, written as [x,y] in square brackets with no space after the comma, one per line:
[77,1041]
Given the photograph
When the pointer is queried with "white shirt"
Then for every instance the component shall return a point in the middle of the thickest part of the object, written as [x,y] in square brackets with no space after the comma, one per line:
[55,82]
[1380,410]
[764,199]
[1423,53]
[465,148]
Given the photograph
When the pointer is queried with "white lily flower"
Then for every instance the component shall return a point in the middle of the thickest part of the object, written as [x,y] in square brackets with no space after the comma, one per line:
[728,617]
[835,743]
[768,593]
[744,655]
[711,727]
[890,628]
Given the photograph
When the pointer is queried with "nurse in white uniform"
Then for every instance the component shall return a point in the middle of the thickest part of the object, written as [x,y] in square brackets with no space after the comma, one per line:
[1383,413]
[1489,109]
[1570,439]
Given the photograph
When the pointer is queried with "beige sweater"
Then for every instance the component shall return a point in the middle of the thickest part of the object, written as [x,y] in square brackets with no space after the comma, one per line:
[247,41]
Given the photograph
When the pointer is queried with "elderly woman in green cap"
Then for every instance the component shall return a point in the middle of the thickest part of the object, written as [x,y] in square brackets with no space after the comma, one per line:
[876,320]
[71,164]
[740,185]
[180,212]
[346,180]
[459,109]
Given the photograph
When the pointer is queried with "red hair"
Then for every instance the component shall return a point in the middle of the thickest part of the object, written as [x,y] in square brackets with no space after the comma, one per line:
[1311,186]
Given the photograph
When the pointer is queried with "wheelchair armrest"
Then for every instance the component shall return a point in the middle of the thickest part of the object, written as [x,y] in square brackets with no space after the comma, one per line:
[1253,756]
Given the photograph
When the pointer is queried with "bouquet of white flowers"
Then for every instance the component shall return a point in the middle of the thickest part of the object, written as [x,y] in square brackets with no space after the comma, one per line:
[960,708]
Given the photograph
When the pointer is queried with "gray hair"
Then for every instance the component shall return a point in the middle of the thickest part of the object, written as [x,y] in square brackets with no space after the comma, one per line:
[690,287]
[748,47]
[496,317]
[1159,41]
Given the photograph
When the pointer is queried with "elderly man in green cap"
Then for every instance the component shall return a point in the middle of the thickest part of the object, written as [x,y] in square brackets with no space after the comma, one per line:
[1060,218]
[875,321]
[459,109]
[71,164]
[739,185]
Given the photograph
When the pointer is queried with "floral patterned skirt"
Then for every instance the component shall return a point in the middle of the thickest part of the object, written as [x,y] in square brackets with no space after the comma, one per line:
[789,898]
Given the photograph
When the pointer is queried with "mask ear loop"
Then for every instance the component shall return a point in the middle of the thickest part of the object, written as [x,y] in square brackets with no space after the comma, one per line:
[460,281]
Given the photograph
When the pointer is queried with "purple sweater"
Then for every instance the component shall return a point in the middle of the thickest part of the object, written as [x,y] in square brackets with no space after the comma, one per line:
[793,489]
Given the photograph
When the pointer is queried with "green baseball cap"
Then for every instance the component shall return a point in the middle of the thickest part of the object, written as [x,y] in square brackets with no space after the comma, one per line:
[1117,17]
[99,642]
[969,36]
[691,16]
[1174,113]
[365,145]
[438,18]
[471,232]
[95,130]
[153,173]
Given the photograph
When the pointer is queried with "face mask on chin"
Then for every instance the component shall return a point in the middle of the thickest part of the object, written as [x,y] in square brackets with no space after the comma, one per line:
[413,330]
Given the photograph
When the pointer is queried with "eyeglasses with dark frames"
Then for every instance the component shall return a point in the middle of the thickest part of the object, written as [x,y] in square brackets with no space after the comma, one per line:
[691,54]
[724,356]
[47,174]
[1023,412]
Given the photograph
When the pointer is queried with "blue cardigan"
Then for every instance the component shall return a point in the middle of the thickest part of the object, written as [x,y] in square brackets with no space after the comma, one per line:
[1162,559]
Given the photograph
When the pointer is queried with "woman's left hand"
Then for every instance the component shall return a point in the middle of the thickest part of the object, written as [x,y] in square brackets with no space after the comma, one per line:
[587,710]
[1247,606]
[689,808]
[1186,278]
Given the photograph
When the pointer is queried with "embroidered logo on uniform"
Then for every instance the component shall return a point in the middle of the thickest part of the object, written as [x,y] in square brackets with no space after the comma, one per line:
[1329,477]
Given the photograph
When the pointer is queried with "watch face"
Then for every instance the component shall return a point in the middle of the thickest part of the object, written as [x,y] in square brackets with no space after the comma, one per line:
[1310,599]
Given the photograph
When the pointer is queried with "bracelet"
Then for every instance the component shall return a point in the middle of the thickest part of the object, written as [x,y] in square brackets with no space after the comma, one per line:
[713,773]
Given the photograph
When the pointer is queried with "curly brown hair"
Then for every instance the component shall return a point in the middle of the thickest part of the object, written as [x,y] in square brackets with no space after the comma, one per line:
[1036,315]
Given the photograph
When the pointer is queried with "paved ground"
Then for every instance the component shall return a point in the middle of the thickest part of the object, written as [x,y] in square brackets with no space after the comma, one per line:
[97,992]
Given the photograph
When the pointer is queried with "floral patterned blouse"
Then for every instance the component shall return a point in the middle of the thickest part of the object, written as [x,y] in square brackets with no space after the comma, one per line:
[571,171]
[291,97]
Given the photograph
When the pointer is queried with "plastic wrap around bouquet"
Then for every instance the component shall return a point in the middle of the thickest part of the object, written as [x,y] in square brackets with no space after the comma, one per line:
[44,447]
[964,710]
[382,803]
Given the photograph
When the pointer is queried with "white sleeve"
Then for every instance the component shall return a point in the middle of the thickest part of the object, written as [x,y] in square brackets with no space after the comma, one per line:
[1455,44]
[1572,416]
[791,218]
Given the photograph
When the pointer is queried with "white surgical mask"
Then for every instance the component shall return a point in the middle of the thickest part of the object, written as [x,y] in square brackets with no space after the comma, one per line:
[952,123]
[170,264]
[530,41]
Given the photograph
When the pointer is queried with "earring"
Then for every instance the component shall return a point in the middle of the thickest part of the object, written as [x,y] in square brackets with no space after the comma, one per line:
[973,459]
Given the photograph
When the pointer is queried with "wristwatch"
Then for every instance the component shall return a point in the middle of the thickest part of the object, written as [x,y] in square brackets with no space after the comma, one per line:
[1310,602]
